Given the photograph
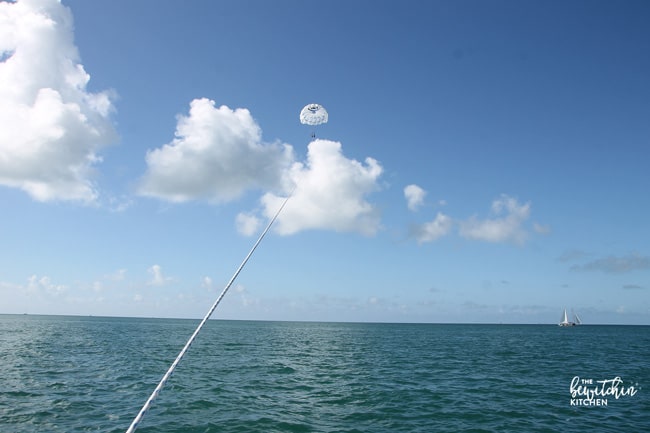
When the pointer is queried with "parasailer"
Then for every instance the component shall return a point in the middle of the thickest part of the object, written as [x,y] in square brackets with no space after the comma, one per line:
[313,115]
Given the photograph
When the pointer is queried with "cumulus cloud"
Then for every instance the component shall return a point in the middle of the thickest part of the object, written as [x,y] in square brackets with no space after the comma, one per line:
[432,230]
[247,223]
[330,193]
[506,225]
[217,155]
[51,126]
[414,196]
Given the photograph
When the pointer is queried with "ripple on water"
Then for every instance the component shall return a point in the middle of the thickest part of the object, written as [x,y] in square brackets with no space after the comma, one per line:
[93,374]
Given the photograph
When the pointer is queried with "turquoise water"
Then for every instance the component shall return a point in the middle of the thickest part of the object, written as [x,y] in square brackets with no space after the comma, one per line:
[87,374]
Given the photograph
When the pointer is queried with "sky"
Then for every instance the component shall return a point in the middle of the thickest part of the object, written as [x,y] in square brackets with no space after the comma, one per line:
[483,162]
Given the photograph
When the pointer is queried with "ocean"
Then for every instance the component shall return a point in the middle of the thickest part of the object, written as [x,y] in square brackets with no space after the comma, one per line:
[93,374]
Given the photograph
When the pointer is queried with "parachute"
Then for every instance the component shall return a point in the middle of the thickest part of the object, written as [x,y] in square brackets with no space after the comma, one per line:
[313,114]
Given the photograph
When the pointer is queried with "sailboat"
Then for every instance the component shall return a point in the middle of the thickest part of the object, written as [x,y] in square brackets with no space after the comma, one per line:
[565,320]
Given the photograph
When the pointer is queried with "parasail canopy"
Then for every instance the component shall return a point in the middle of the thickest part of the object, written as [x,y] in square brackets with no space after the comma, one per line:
[313,114]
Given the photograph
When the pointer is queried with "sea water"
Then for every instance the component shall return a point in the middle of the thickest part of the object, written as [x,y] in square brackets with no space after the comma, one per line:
[87,374]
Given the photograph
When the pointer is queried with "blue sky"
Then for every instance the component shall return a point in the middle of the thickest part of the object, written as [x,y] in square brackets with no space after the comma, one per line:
[484,161]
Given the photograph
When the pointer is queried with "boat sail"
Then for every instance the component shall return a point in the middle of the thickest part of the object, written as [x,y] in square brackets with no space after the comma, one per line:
[565,320]
[577,319]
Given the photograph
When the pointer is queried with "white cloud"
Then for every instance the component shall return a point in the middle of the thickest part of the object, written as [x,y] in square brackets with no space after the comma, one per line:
[247,224]
[432,230]
[157,277]
[217,155]
[414,196]
[506,226]
[44,284]
[51,127]
[330,193]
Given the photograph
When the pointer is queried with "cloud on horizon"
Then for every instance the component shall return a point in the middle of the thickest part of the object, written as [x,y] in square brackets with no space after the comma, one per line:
[51,126]
[44,285]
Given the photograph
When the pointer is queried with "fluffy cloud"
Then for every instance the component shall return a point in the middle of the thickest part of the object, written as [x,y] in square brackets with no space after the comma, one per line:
[330,193]
[414,196]
[248,224]
[432,230]
[51,127]
[217,155]
[505,226]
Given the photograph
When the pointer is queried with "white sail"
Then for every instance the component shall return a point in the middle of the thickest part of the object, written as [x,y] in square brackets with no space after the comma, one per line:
[565,318]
